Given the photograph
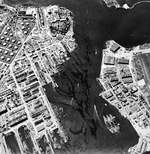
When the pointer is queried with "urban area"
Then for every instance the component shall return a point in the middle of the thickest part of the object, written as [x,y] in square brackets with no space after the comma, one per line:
[125,78]
[34,43]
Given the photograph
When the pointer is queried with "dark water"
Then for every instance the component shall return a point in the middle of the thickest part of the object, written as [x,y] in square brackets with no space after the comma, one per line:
[12,143]
[26,140]
[94,24]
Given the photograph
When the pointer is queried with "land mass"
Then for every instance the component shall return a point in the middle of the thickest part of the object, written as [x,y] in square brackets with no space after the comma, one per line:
[94,25]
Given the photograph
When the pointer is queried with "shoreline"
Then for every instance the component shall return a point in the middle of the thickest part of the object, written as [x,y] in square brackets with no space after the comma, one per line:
[126,6]
[134,5]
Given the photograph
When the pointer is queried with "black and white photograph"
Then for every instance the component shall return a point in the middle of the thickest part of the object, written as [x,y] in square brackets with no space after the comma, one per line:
[74,76]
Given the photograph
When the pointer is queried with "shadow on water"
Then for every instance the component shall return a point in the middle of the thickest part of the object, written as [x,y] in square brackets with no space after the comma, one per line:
[94,25]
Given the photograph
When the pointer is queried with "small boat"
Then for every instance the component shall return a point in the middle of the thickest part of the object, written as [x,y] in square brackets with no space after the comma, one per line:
[111,124]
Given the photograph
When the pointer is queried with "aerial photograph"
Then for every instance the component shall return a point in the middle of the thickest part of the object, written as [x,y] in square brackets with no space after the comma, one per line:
[74,77]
